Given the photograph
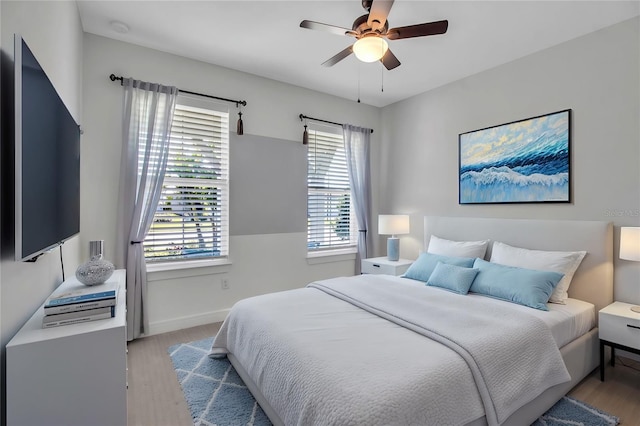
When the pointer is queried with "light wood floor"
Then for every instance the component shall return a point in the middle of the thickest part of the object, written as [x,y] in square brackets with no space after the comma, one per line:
[155,398]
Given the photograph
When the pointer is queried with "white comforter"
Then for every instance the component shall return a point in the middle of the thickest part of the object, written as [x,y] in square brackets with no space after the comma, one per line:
[406,355]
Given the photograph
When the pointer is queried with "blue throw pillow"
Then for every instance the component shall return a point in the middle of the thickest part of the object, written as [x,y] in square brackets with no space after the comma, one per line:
[526,287]
[422,268]
[451,277]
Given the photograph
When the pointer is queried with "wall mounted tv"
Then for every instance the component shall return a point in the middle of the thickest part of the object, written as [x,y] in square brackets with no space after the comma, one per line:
[47,161]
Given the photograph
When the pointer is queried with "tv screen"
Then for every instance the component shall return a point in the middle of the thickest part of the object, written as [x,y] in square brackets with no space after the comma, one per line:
[47,161]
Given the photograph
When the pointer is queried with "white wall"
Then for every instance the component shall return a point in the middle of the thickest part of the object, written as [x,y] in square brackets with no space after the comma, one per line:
[261,262]
[597,76]
[54,33]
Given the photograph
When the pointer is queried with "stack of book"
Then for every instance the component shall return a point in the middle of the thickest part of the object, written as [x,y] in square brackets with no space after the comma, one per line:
[81,304]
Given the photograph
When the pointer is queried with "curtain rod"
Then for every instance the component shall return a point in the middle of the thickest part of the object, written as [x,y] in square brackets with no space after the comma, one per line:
[113,77]
[302,117]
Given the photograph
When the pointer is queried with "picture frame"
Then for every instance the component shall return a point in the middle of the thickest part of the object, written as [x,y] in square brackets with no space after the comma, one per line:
[523,161]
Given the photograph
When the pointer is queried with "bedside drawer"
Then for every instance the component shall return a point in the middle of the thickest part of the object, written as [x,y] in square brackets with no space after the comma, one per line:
[372,266]
[377,268]
[620,330]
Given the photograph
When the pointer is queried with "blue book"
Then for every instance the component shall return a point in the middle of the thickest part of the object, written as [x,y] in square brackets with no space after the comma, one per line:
[79,294]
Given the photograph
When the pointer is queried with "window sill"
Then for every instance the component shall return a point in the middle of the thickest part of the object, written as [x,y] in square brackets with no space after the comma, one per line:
[187,268]
[328,256]
[186,264]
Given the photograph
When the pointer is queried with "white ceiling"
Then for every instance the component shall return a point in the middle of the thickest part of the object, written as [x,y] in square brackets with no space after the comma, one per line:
[263,37]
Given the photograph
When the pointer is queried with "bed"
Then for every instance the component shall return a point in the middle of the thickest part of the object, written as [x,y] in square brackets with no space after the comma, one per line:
[366,349]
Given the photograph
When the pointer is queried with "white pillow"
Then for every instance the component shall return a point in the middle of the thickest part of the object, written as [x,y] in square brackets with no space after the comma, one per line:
[564,262]
[470,249]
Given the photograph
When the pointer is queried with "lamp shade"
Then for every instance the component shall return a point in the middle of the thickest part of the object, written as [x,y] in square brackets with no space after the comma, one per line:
[630,243]
[370,49]
[393,224]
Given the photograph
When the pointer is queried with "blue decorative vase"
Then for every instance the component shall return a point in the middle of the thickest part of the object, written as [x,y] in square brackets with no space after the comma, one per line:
[393,248]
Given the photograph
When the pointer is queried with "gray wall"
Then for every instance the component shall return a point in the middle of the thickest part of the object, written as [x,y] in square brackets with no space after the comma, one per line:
[596,75]
[268,185]
[54,34]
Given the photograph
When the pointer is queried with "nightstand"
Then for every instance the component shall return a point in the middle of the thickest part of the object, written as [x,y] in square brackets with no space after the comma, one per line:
[382,265]
[619,328]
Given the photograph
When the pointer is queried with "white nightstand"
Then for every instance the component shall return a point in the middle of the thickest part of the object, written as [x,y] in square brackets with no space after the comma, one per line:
[382,265]
[619,327]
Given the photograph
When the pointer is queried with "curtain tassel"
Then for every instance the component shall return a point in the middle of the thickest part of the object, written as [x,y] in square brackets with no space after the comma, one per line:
[240,129]
[305,136]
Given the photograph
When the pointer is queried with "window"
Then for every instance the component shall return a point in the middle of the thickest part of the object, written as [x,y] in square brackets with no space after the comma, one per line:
[192,219]
[330,218]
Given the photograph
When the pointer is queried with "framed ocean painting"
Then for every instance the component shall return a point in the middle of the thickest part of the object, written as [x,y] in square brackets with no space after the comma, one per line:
[525,161]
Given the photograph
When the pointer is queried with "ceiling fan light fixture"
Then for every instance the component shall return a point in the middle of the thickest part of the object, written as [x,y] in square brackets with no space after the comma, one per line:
[370,49]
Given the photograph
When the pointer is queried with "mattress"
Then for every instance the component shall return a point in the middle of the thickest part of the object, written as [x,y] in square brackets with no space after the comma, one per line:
[570,321]
[567,322]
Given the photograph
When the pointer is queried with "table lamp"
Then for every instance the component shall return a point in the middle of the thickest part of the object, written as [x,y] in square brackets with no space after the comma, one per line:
[394,225]
[630,248]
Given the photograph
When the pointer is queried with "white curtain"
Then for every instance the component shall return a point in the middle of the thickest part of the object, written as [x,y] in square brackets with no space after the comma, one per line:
[356,144]
[146,129]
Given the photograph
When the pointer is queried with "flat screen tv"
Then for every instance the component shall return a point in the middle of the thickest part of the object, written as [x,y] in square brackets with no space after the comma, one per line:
[47,161]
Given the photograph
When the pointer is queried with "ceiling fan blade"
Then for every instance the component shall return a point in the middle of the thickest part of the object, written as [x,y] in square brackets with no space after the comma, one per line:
[337,58]
[419,30]
[389,60]
[378,13]
[324,27]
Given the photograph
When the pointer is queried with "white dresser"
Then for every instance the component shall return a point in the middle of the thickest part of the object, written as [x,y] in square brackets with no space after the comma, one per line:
[73,375]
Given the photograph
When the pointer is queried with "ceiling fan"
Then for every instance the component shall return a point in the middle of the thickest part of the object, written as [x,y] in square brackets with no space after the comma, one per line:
[371,30]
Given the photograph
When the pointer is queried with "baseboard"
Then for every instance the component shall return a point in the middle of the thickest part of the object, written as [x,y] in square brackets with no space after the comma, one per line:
[187,322]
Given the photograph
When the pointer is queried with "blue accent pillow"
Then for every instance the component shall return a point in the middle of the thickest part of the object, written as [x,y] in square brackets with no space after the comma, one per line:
[453,278]
[526,287]
[424,265]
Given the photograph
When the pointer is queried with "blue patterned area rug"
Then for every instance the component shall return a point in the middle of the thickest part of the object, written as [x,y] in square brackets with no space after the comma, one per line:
[217,396]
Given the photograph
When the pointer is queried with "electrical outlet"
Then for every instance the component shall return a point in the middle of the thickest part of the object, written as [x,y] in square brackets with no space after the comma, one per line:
[224,283]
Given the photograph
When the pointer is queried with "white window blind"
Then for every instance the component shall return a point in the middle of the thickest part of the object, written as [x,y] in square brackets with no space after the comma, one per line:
[330,223]
[192,218]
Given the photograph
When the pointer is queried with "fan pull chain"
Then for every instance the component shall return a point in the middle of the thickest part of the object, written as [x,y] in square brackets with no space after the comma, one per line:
[381,69]
[359,74]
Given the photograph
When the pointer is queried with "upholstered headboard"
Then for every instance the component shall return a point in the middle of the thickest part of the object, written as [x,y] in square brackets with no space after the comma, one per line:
[593,281]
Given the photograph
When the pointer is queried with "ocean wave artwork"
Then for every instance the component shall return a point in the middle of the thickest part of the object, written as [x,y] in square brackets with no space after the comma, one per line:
[519,162]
